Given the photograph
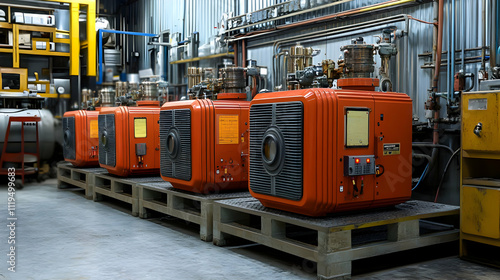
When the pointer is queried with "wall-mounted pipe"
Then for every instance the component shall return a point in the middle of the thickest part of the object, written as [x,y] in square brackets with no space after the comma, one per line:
[294,14]
[356,27]
[463,35]
[451,60]
[439,49]
[243,54]
[493,35]
[483,52]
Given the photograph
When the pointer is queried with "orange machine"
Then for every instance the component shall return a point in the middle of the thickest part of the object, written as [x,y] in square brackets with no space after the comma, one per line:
[318,151]
[204,143]
[129,139]
[81,138]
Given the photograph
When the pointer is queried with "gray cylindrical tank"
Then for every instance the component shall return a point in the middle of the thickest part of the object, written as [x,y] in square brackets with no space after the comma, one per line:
[46,132]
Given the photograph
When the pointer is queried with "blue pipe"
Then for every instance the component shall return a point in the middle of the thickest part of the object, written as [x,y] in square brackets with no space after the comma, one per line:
[99,82]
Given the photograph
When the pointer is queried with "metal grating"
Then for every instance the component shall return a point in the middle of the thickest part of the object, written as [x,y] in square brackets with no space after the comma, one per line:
[288,118]
[107,154]
[179,167]
[69,147]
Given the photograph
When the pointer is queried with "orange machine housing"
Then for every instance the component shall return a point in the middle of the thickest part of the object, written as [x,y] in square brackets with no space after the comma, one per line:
[129,139]
[81,138]
[204,144]
[318,151]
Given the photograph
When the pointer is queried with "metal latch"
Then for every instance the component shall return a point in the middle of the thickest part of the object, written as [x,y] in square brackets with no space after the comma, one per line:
[478,128]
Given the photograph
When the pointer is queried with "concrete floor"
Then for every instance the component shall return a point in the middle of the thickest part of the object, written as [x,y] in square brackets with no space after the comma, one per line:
[62,235]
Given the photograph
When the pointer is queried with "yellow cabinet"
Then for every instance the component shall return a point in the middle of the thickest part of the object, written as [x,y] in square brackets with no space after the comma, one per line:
[481,211]
[480,177]
[481,124]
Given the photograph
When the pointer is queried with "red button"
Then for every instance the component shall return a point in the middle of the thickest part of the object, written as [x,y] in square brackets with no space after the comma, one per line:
[356,160]
[368,160]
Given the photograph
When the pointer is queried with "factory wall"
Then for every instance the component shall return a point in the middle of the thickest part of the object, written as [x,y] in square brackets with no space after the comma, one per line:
[153,16]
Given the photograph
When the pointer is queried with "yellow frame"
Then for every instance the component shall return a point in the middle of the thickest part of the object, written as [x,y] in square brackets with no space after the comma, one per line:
[75,35]
[23,79]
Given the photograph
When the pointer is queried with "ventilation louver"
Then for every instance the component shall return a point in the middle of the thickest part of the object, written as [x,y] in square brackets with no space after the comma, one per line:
[282,123]
[175,126]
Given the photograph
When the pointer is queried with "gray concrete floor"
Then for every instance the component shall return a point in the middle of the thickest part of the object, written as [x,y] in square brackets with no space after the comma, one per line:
[62,235]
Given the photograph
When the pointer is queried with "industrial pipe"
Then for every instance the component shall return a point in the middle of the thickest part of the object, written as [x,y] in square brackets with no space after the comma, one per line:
[483,52]
[437,65]
[463,35]
[493,34]
[351,12]
[243,54]
[451,53]
[235,48]
[359,27]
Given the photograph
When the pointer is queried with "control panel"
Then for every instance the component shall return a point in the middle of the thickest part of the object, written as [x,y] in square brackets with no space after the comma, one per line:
[359,165]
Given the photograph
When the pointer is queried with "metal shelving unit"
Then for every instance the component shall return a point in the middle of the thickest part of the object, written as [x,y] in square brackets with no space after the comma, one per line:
[76,46]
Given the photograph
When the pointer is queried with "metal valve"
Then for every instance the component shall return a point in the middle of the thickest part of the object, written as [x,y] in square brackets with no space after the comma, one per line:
[478,128]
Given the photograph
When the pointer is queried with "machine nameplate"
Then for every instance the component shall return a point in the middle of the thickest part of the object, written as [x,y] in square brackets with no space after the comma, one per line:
[392,149]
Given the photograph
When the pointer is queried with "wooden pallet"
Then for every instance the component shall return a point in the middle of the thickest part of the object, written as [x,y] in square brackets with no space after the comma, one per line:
[120,188]
[195,208]
[333,242]
[70,176]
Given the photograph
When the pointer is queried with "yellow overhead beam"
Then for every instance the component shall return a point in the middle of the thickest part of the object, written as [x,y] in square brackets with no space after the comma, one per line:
[85,2]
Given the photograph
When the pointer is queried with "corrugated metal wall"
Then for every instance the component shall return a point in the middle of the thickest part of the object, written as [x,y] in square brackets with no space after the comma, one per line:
[153,16]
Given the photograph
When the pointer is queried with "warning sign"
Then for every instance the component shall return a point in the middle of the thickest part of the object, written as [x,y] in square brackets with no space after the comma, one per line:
[228,129]
[94,129]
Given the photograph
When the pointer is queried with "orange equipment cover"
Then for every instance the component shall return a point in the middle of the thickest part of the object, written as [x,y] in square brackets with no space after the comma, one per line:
[81,138]
[129,139]
[318,151]
[204,145]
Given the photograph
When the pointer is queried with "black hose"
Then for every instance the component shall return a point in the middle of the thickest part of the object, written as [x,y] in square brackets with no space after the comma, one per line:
[427,157]
[426,144]
[444,173]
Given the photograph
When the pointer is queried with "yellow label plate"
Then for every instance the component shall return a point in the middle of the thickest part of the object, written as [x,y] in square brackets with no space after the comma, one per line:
[94,129]
[140,128]
[228,129]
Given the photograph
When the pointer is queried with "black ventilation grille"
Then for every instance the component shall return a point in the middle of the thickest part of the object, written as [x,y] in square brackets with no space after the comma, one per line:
[287,118]
[178,166]
[69,147]
[107,150]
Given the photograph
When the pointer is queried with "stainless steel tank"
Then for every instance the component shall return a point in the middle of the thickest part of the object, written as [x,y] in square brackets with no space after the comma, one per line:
[149,91]
[195,75]
[233,79]
[108,96]
[121,88]
[358,59]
